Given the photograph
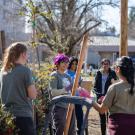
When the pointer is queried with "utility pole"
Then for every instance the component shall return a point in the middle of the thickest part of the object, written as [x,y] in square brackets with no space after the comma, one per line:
[124,29]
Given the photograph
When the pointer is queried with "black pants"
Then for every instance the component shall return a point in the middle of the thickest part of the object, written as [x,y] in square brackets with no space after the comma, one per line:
[103,120]
[25,126]
[79,117]
[59,119]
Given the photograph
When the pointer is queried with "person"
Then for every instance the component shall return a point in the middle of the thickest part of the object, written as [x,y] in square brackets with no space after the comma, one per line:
[89,69]
[61,85]
[120,100]
[17,89]
[78,108]
[103,79]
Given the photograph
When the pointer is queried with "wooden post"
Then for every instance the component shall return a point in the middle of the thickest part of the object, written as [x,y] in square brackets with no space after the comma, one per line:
[124,28]
[75,85]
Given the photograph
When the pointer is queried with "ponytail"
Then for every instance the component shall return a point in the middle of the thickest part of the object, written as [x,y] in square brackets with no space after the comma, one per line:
[127,70]
[11,54]
[130,79]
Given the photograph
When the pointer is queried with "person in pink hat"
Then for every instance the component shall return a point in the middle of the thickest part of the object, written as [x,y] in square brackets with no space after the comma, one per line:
[61,85]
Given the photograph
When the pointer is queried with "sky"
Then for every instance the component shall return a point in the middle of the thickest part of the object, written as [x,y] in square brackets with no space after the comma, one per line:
[112,15]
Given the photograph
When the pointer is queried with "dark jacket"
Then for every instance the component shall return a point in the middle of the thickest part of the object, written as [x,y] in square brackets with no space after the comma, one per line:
[98,82]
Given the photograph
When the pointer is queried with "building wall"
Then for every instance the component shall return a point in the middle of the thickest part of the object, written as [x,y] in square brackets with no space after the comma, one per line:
[106,55]
[96,57]
[108,47]
[10,22]
[93,57]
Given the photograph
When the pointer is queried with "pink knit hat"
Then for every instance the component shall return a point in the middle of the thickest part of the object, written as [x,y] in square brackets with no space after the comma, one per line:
[59,58]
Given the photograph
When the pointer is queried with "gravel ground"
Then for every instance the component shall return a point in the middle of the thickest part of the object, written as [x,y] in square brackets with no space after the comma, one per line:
[93,123]
[93,119]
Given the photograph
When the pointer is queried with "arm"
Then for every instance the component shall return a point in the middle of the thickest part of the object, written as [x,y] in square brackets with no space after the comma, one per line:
[108,101]
[100,107]
[30,87]
[56,92]
[32,92]
[53,86]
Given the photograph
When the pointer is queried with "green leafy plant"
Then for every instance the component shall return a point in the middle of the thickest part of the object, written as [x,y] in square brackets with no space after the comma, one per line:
[7,126]
[42,78]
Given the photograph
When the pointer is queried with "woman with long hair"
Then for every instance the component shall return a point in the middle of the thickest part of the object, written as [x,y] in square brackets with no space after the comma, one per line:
[78,108]
[120,100]
[17,88]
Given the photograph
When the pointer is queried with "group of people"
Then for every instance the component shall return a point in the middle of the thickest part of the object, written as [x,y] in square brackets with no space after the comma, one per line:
[114,91]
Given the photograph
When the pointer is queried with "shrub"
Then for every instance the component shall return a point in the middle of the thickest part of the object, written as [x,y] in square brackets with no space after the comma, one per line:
[7,126]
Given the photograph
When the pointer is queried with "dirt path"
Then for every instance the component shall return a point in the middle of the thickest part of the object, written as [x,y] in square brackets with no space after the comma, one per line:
[93,119]
[93,123]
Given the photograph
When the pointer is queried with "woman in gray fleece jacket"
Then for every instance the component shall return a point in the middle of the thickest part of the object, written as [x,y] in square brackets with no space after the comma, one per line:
[61,85]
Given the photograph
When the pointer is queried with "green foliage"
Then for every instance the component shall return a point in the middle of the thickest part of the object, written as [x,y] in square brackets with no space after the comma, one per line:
[6,122]
[33,9]
[43,75]
[34,44]
[6,119]
[42,79]
[59,43]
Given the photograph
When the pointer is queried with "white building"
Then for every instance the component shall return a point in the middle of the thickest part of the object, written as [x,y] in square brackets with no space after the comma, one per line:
[107,47]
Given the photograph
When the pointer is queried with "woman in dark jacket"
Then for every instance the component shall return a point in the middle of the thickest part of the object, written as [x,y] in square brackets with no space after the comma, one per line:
[104,78]
[120,100]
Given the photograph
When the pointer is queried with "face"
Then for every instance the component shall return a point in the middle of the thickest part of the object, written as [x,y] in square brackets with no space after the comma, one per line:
[24,57]
[117,70]
[63,66]
[106,65]
[74,65]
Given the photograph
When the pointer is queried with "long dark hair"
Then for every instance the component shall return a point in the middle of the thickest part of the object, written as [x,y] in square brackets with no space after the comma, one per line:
[127,70]
[11,54]
[71,60]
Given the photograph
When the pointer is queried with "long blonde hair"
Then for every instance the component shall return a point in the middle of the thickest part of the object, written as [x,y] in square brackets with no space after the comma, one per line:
[12,53]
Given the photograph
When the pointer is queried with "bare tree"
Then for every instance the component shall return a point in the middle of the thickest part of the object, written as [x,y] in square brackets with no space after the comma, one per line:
[131,26]
[68,22]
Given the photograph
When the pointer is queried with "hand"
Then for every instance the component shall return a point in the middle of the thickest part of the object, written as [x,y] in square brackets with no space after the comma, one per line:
[82,93]
[68,88]
[100,100]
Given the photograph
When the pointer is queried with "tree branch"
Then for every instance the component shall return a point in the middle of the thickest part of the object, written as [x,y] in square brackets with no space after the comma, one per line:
[82,13]
[86,32]
[87,22]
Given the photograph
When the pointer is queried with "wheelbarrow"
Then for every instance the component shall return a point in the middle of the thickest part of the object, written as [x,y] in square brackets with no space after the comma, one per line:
[72,100]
